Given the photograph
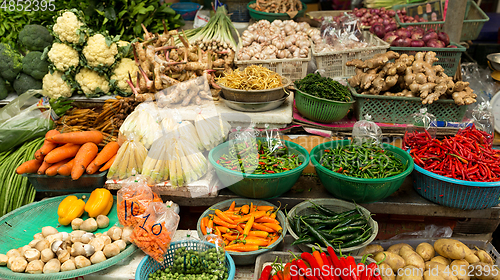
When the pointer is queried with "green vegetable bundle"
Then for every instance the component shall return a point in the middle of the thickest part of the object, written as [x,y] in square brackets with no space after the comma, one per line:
[367,161]
[15,190]
[323,87]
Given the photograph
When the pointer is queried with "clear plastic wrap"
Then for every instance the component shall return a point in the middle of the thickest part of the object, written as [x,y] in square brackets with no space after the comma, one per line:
[129,159]
[133,200]
[340,33]
[430,231]
[194,89]
[273,138]
[421,122]
[243,146]
[142,125]
[155,230]
[212,130]
[218,266]
[484,121]
[366,131]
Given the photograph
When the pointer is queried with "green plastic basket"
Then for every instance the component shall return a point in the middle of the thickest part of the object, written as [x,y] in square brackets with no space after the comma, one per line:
[258,15]
[262,186]
[358,189]
[449,58]
[397,109]
[475,18]
[320,109]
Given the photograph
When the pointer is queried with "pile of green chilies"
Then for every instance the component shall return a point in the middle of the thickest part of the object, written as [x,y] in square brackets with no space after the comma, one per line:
[259,156]
[366,161]
[328,228]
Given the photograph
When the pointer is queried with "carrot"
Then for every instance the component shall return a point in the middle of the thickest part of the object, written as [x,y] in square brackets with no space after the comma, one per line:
[52,170]
[63,152]
[83,158]
[107,153]
[231,208]
[266,219]
[30,166]
[79,137]
[43,167]
[65,169]
[242,247]
[223,216]
[108,164]
[275,227]
[47,145]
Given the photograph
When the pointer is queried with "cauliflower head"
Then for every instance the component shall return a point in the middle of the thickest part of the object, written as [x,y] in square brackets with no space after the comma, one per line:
[63,56]
[54,86]
[66,28]
[98,53]
[90,81]
[121,71]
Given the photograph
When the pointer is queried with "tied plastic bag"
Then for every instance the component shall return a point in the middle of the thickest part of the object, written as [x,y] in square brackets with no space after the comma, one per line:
[133,199]
[340,33]
[155,230]
[366,131]
[142,125]
[212,130]
[217,265]
[180,128]
[184,92]
[129,159]
[19,124]
[273,138]
[422,126]
[243,146]
[484,121]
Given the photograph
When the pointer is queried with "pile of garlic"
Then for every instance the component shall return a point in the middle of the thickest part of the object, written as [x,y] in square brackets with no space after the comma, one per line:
[51,251]
[279,39]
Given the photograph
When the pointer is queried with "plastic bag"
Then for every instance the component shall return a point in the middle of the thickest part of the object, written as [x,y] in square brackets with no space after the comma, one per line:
[133,199]
[129,159]
[484,121]
[340,33]
[19,124]
[184,92]
[211,130]
[142,124]
[243,146]
[219,254]
[421,122]
[155,230]
[273,138]
[366,131]
[430,231]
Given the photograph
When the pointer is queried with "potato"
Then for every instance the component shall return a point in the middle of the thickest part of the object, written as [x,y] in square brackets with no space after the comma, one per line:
[393,260]
[450,248]
[426,251]
[412,258]
[485,271]
[440,269]
[410,272]
[428,275]
[372,249]
[460,268]
[484,257]
[396,247]
[386,272]
[441,260]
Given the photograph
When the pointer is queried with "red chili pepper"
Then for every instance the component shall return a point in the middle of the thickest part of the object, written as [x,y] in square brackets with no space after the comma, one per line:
[351,263]
[345,275]
[266,273]
[280,275]
[303,269]
[294,270]
[313,263]
[286,272]
[275,277]
[330,269]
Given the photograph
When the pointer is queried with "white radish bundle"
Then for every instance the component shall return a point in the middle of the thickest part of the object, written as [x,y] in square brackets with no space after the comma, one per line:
[129,160]
[143,125]
[212,131]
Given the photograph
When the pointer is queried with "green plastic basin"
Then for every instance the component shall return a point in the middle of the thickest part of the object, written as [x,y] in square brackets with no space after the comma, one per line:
[262,186]
[258,15]
[358,189]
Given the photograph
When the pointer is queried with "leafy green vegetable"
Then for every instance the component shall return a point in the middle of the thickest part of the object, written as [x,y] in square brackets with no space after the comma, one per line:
[324,87]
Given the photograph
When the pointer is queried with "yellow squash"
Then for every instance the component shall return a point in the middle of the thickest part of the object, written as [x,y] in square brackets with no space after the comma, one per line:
[99,203]
[69,209]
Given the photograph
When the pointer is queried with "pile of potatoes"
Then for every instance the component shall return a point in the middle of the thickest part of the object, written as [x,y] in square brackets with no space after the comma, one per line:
[51,251]
[446,259]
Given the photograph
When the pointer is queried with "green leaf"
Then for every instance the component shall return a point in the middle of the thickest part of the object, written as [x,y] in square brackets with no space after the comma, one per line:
[110,13]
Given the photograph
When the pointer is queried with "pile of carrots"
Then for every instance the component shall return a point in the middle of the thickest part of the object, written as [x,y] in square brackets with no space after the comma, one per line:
[71,154]
[244,229]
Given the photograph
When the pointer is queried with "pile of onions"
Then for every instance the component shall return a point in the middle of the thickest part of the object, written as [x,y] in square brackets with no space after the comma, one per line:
[369,17]
[413,36]
[404,18]
[279,39]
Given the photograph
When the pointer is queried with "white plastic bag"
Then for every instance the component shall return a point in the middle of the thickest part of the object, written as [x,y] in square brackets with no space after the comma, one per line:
[366,131]
[421,122]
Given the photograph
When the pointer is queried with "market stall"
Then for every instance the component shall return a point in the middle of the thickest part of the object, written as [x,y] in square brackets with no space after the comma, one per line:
[354,145]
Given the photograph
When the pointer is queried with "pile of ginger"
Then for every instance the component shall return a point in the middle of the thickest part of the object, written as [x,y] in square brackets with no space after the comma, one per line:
[410,76]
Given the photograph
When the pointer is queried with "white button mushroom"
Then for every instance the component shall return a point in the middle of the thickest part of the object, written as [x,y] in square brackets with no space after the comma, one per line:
[97,257]
[46,255]
[82,261]
[68,265]
[80,249]
[19,264]
[38,236]
[63,255]
[32,255]
[59,245]
[89,225]
[111,250]
[11,260]
[46,231]
[23,249]
[76,235]
[33,242]
[35,267]
[42,244]
[126,232]
[13,253]
[115,233]
[3,259]
[76,223]
[121,244]
[86,237]
[52,266]
[102,221]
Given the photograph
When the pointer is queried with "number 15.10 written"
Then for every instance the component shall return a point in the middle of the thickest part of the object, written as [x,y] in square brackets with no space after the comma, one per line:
[28,5]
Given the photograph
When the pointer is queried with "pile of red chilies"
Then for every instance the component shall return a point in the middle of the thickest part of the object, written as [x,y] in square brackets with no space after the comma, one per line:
[466,156]
[321,266]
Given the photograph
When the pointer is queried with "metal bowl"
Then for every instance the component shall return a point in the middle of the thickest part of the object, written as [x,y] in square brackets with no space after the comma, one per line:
[265,95]
[253,106]
[494,61]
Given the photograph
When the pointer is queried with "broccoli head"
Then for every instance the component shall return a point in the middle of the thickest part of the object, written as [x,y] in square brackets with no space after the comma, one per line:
[35,66]
[10,62]
[35,37]
[25,82]
[3,89]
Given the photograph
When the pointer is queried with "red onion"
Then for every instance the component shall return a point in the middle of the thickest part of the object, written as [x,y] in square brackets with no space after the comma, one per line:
[403,11]
[376,11]
[419,30]
[390,37]
[410,19]
[434,43]
[358,14]
[417,44]
[442,36]
[407,42]
[430,36]
[391,13]
[391,27]
[404,33]
[378,29]
[417,36]
[430,30]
